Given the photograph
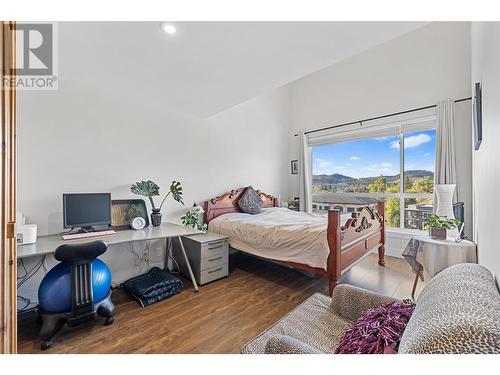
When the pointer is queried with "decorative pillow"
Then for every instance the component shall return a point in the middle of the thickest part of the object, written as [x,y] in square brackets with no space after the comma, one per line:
[378,331]
[250,202]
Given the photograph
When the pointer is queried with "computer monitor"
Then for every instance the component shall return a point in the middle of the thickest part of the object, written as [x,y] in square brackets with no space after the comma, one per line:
[86,210]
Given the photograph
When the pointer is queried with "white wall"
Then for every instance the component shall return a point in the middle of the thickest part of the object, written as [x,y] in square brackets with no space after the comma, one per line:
[81,139]
[75,140]
[417,69]
[485,54]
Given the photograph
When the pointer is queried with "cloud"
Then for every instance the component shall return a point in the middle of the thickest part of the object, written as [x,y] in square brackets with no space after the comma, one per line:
[385,165]
[387,138]
[395,144]
[413,141]
[354,158]
[321,163]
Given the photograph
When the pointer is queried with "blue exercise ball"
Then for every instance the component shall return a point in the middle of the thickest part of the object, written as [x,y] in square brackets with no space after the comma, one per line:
[54,293]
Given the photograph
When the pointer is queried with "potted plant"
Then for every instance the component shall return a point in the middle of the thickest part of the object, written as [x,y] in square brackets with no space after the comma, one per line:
[439,224]
[150,189]
[192,219]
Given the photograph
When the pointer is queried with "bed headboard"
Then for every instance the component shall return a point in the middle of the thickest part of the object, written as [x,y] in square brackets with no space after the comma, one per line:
[228,203]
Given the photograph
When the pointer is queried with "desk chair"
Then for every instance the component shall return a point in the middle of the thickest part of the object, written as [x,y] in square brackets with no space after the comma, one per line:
[79,286]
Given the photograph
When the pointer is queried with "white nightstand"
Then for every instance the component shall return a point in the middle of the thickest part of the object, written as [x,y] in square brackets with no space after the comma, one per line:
[208,255]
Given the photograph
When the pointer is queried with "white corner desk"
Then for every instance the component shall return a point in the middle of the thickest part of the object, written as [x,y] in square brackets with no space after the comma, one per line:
[48,244]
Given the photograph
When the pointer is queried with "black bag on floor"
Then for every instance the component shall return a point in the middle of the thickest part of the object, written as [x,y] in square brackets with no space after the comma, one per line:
[154,286]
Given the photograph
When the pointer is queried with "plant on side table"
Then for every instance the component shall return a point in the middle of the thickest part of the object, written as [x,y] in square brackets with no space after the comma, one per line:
[192,219]
[439,224]
[150,189]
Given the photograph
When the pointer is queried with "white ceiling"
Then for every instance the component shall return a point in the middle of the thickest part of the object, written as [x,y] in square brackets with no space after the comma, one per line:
[207,67]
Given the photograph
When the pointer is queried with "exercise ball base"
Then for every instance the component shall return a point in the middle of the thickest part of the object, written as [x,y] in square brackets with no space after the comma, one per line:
[52,322]
[46,344]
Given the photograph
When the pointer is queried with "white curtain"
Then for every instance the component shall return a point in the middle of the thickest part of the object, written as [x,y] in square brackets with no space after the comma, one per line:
[305,174]
[445,145]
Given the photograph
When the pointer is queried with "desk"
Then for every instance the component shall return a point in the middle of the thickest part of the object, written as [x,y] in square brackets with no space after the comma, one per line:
[430,256]
[48,244]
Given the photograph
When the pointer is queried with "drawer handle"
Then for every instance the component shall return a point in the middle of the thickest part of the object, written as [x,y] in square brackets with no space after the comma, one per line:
[213,260]
[217,270]
[216,247]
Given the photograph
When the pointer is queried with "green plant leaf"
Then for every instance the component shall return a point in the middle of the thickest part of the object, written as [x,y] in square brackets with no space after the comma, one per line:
[190,219]
[145,188]
[176,190]
[436,221]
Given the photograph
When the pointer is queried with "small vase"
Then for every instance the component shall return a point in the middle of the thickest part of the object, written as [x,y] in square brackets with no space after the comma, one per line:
[156,217]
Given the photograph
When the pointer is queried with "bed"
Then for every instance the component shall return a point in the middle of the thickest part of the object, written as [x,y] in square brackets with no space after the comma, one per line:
[327,245]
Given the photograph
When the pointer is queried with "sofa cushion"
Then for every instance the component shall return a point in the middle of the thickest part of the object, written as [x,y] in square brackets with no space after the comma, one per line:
[457,312]
[314,322]
[351,302]
[250,202]
[377,331]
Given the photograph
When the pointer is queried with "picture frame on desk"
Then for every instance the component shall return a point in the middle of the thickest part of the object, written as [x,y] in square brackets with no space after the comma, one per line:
[123,211]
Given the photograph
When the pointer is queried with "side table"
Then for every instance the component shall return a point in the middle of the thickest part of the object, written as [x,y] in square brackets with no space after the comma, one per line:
[428,256]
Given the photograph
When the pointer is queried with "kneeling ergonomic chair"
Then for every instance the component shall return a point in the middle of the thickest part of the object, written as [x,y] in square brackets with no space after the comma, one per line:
[84,278]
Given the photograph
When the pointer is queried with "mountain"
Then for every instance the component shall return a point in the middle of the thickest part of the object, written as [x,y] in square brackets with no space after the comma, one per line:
[419,173]
[332,179]
[336,178]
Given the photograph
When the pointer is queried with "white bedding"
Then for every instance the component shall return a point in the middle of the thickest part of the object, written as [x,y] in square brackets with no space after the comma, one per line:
[278,233]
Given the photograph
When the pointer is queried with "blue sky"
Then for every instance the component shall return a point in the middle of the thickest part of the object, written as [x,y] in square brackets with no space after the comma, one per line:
[375,156]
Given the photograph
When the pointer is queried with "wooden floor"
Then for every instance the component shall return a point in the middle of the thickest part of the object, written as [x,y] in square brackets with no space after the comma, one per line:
[220,318]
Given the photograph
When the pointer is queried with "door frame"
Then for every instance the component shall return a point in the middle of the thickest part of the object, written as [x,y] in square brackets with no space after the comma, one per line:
[8,263]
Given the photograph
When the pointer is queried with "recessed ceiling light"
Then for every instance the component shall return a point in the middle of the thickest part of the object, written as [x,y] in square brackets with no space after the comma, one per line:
[168,28]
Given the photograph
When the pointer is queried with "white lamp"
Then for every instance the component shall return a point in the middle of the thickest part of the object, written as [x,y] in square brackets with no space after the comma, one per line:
[444,204]
[444,200]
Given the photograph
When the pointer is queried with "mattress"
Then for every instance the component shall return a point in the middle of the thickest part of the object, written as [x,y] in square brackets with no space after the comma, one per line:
[278,234]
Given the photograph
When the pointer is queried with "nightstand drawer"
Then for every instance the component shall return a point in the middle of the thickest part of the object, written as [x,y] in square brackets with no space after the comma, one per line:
[212,248]
[208,256]
[213,273]
[214,260]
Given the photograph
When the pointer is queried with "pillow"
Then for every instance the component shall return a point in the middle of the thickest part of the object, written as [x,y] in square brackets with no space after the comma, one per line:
[378,330]
[250,202]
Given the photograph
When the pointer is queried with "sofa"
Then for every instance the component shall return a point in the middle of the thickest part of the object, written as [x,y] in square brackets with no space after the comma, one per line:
[457,312]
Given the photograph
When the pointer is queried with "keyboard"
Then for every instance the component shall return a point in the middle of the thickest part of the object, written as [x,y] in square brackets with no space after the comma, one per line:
[78,236]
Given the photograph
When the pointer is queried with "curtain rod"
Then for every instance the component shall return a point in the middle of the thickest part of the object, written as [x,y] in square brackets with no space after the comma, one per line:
[378,117]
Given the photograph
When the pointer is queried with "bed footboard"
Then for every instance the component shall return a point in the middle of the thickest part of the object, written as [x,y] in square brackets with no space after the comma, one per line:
[350,242]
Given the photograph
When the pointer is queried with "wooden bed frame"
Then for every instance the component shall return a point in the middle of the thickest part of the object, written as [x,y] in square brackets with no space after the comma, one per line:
[348,243]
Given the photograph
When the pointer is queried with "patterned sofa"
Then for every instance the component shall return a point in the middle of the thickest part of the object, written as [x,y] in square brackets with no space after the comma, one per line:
[457,312]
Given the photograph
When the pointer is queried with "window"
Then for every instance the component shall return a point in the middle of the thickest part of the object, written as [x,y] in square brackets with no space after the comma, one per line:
[359,172]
